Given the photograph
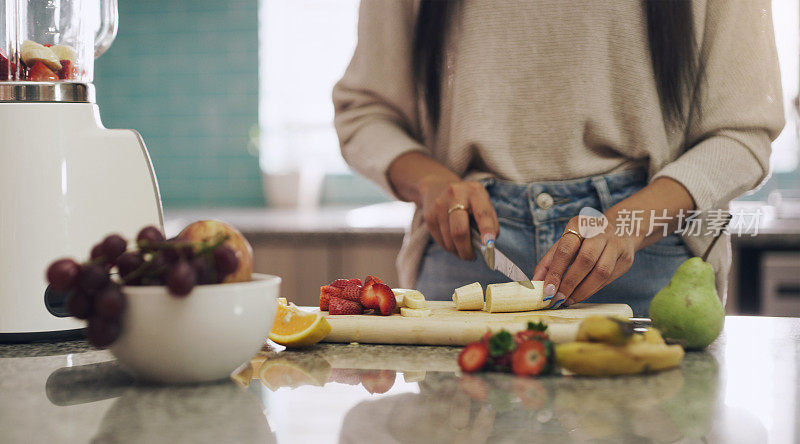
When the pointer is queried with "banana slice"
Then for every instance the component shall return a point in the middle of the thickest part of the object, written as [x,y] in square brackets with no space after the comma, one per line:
[415,312]
[469,297]
[64,52]
[32,52]
[414,299]
[515,296]
[415,376]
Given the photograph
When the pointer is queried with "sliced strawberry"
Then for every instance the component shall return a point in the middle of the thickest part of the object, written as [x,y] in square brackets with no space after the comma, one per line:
[486,337]
[473,357]
[41,73]
[340,283]
[527,335]
[529,358]
[326,292]
[386,300]
[345,376]
[372,279]
[339,306]
[378,381]
[475,387]
[351,292]
[67,71]
[369,297]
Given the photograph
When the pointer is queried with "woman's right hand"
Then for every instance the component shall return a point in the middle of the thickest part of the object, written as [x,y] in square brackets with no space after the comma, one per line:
[439,194]
[447,204]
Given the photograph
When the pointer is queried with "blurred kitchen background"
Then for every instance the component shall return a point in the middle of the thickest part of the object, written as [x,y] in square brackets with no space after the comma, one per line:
[233,101]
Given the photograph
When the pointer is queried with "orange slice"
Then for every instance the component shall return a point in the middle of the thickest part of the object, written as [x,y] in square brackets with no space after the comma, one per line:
[282,372]
[296,328]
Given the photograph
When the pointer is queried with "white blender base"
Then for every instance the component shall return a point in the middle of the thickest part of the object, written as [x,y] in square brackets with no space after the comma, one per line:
[65,183]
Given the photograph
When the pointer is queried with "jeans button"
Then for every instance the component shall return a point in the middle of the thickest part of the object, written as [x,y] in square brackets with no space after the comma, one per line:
[544,201]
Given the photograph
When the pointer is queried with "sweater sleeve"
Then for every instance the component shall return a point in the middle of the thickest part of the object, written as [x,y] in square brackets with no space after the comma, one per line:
[375,101]
[739,109]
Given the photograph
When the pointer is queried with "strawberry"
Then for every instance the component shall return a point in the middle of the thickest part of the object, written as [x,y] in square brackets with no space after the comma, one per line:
[67,71]
[326,292]
[378,381]
[41,73]
[345,376]
[368,296]
[372,279]
[473,357]
[356,281]
[339,283]
[475,387]
[351,292]
[529,358]
[386,300]
[339,306]
[527,335]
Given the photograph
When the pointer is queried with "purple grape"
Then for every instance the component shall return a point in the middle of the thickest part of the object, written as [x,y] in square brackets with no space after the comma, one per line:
[80,304]
[110,303]
[92,278]
[225,261]
[171,253]
[150,235]
[128,262]
[181,279]
[187,251]
[101,332]
[63,274]
[97,252]
[113,246]
[203,270]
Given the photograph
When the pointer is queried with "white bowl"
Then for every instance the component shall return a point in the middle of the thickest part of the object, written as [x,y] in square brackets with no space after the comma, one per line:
[201,337]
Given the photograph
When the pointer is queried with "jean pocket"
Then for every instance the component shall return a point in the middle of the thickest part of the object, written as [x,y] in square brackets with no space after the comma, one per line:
[672,245]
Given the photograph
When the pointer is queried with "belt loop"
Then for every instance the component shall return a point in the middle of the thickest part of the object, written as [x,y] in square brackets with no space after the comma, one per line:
[601,186]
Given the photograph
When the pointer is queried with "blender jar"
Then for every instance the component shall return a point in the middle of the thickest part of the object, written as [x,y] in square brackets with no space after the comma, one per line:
[54,40]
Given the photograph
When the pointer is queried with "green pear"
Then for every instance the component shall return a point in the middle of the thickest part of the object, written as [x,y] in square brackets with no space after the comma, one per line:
[688,308]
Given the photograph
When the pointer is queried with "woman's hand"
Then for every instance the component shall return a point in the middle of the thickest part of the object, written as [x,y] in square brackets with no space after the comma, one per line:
[446,205]
[575,268]
[446,201]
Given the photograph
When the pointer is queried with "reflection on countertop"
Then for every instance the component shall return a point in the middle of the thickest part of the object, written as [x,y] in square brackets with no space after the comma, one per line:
[743,389]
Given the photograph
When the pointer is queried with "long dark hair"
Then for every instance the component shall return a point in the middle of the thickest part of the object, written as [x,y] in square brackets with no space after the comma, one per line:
[670,33]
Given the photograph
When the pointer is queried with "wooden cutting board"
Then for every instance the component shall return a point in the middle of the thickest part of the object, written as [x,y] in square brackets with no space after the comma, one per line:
[448,326]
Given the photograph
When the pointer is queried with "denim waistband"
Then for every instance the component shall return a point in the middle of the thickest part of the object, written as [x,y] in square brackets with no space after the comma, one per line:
[565,198]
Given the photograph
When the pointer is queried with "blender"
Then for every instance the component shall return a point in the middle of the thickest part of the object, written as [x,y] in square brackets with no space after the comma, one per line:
[65,180]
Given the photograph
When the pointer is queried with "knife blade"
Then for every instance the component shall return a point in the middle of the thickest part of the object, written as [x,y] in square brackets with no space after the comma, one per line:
[496,260]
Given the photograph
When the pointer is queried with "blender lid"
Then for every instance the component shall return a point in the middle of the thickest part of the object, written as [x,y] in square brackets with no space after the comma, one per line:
[47,92]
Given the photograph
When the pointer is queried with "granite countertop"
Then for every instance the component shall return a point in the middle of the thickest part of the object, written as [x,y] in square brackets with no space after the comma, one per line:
[745,388]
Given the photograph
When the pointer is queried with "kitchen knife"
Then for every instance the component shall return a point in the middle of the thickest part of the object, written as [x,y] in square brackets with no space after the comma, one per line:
[496,260]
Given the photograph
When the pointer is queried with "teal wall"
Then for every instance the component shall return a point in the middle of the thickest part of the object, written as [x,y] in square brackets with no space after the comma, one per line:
[184,73]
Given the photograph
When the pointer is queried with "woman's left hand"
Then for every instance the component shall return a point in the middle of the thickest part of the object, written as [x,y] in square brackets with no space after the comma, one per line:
[575,268]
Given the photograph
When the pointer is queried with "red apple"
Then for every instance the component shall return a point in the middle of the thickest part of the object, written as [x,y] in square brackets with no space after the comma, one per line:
[207,229]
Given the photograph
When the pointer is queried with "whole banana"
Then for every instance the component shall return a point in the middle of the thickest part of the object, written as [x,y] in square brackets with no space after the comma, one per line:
[609,346]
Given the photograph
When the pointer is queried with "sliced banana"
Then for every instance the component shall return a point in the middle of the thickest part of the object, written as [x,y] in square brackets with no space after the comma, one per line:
[32,52]
[415,376]
[414,299]
[469,297]
[415,312]
[64,52]
[515,296]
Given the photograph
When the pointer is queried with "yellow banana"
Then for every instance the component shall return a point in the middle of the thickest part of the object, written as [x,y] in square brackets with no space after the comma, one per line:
[605,329]
[600,359]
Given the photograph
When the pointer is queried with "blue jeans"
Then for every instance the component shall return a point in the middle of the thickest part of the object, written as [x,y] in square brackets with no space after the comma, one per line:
[527,231]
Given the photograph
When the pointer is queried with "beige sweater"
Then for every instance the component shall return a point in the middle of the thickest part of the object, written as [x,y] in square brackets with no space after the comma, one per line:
[544,90]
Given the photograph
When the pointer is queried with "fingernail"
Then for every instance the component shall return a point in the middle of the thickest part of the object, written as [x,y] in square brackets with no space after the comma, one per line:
[549,290]
[560,298]
[488,237]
